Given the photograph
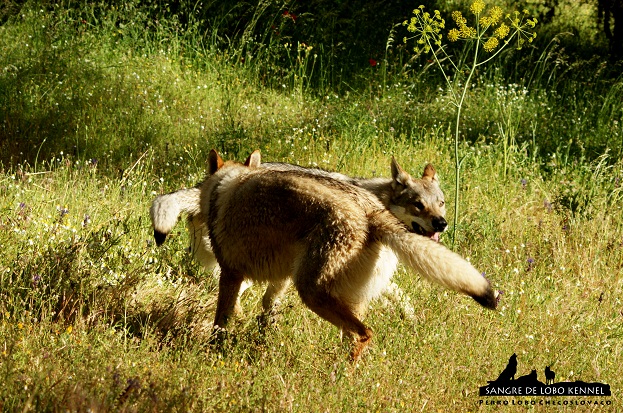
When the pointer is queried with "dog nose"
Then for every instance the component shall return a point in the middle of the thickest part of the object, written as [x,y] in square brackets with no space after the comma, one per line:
[439,224]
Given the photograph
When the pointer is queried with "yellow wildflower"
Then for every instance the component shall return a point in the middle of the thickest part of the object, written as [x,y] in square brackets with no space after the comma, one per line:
[467,32]
[427,28]
[477,7]
[491,44]
[496,14]
[457,16]
[453,35]
[502,31]
[486,21]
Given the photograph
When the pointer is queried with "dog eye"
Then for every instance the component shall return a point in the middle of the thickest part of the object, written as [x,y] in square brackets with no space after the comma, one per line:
[418,205]
[442,203]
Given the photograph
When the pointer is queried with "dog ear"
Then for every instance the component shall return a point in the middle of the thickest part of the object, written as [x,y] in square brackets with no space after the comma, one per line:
[398,174]
[254,160]
[215,162]
[430,174]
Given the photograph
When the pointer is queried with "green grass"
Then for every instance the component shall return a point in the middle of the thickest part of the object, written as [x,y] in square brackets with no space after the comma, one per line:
[96,123]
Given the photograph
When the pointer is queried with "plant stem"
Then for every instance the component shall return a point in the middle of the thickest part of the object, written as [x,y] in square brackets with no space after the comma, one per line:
[457,163]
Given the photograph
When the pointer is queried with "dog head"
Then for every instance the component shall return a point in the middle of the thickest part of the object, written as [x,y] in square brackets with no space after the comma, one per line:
[419,203]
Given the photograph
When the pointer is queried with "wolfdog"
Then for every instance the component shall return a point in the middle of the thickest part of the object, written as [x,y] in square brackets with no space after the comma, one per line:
[322,234]
[418,203]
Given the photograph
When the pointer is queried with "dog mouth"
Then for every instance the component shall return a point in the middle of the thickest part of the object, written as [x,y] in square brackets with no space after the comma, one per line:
[417,228]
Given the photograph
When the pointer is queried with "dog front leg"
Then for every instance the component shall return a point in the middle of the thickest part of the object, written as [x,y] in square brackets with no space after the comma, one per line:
[273,294]
[228,290]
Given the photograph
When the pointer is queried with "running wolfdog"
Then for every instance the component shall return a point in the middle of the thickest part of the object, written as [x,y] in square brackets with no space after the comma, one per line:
[322,234]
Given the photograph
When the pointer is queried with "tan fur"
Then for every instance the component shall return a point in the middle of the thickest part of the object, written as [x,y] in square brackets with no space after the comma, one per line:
[323,234]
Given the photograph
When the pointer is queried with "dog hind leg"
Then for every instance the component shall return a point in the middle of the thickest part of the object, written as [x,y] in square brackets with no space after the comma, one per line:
[340,315]
[332,309]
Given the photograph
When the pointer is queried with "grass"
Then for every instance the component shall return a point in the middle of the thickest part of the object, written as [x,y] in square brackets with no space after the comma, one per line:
[94,316]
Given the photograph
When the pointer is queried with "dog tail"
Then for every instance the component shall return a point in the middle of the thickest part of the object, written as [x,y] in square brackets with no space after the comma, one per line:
[436,262]
[167,208]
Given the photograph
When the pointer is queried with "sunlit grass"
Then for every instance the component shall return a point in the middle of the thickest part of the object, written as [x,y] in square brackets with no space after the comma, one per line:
[136,329]
[94,316]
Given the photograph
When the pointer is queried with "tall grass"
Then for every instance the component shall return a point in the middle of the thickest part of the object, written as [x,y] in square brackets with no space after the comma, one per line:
[99,117]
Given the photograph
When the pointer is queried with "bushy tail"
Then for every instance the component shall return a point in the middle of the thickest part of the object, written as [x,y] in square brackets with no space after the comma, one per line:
[167,208]
[437,263]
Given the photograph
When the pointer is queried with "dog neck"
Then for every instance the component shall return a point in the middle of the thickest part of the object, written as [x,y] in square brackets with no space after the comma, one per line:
[381,187]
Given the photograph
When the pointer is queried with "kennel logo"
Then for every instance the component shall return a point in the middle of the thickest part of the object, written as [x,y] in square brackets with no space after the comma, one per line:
[529,385]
